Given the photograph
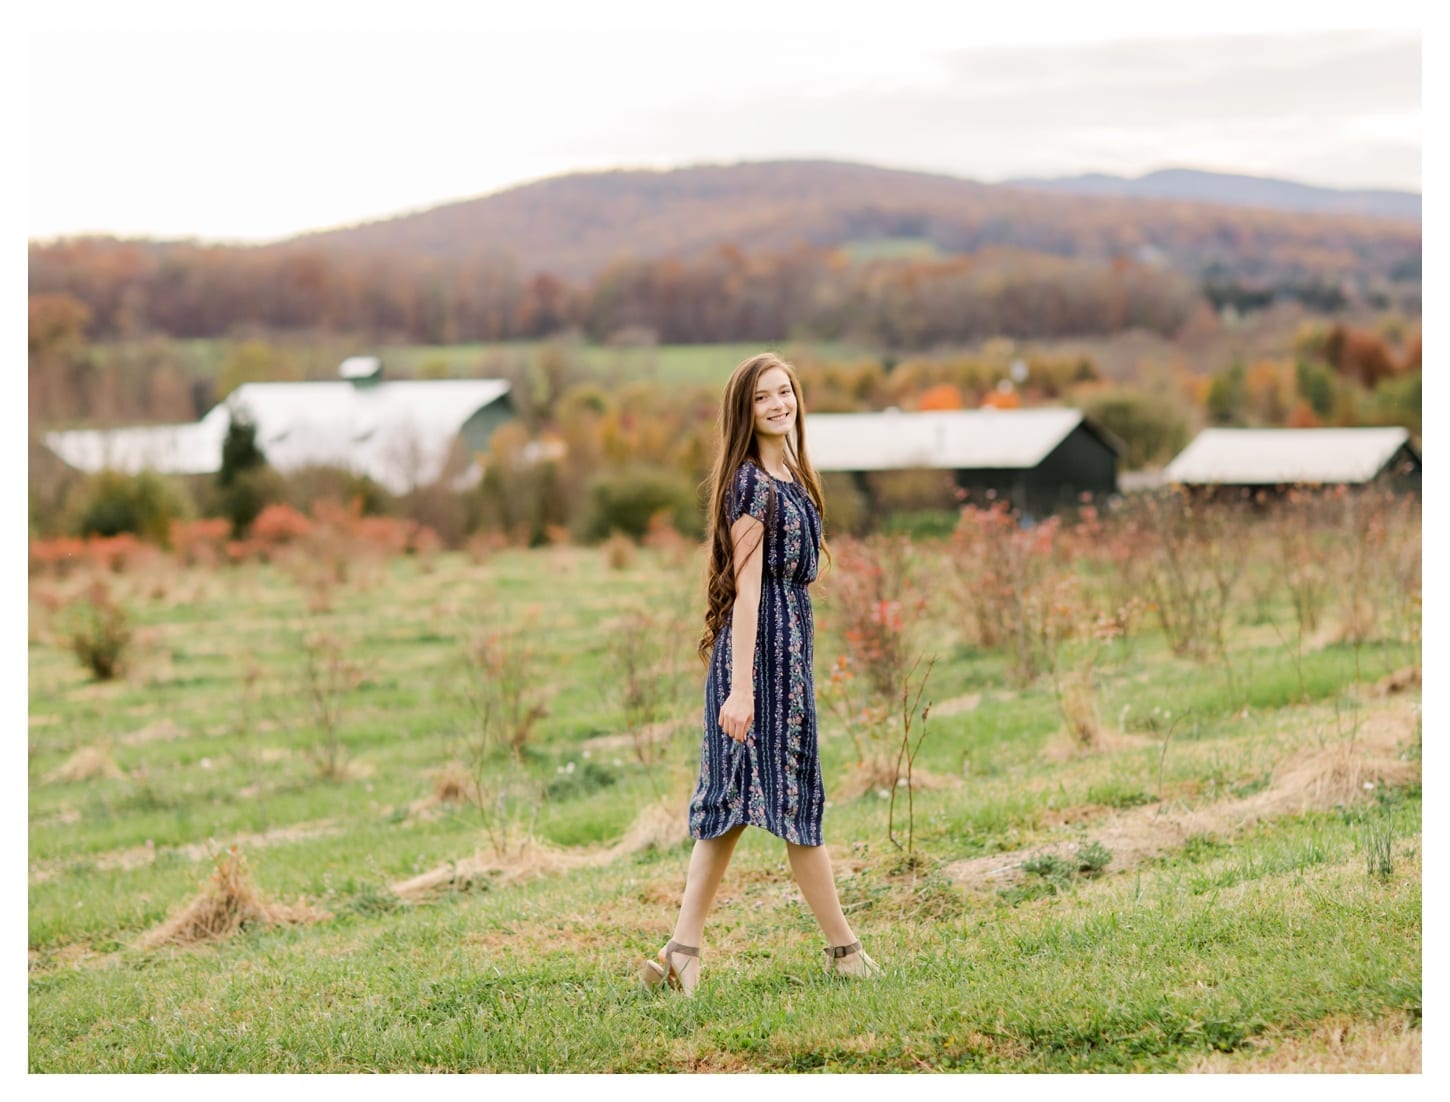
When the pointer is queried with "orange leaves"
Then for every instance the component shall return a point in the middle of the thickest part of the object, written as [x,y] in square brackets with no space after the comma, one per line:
[1001,399]
[279,524]
[1302,416]
[941,396]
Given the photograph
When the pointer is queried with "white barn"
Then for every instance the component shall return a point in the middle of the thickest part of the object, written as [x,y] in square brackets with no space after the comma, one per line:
[1286,457]
[401,434]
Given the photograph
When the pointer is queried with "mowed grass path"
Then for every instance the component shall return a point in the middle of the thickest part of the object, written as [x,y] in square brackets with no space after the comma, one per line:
[1266,943]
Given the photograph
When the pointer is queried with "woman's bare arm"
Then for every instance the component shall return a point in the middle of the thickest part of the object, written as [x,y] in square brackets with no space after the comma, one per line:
[738,712]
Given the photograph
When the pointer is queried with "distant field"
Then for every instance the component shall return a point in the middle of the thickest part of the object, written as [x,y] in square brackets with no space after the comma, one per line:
[892,248]
[1239,922]
[680,363]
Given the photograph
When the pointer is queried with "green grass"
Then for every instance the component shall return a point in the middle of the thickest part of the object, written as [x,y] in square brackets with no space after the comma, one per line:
[670,363]
[1225,945]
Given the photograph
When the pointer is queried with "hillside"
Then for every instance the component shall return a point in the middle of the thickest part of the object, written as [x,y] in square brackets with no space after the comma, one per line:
[1238,190]
[574,225]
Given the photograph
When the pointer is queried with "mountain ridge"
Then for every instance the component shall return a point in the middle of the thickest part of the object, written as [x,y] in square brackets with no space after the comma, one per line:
[1236,189]
[577,224]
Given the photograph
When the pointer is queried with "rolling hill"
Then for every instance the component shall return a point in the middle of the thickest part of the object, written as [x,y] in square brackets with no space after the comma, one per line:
[575,225]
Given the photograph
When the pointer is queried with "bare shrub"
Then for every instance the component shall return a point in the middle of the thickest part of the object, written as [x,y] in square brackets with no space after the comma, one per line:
[1190,556]
[619,551]
[499,703]
[665,540]
[482,546]
[99,631]
[913,685]
[647,655]
[503,680]
[1378,580]
[1005,579]
[876,684]
[327,677]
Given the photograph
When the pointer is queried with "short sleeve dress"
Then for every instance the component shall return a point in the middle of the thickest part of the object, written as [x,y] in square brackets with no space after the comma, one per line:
[773,779]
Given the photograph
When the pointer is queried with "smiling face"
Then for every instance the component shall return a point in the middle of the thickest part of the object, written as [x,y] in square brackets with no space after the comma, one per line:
[775,403]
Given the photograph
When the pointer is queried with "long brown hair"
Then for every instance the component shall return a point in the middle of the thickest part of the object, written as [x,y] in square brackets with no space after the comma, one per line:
[737,446]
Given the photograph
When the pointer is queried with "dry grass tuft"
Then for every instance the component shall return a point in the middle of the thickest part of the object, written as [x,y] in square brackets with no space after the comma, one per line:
[85,763]
[1077,701]
[1348,769]
[879,775]
[163,730]
[1338,1045]
[956,705]
[453,784]
[619,551]
[1397,682]
[650,735]
[528,859]
[1344,773]
[227,905]
[1066,747]
[661,825]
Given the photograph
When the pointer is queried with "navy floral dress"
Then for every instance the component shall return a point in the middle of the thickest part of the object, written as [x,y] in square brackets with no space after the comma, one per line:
[773,779]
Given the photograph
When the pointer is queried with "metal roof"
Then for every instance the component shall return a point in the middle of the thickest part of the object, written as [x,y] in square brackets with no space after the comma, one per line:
[937,439]
[1279,456]
[398,433]
[170,449]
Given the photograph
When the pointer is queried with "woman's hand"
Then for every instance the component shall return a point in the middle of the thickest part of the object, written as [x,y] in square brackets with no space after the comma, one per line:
[738,713]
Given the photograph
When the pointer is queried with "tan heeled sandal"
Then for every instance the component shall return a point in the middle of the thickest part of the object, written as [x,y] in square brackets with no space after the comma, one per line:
[655,973]
[866,968]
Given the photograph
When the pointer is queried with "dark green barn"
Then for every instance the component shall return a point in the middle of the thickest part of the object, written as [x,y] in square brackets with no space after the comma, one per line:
[1039,460]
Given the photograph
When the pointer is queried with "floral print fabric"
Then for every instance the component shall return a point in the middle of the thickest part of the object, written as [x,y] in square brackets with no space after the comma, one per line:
[773,779]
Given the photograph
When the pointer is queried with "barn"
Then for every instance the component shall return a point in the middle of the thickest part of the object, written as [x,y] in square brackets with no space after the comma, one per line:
[1279,458]
[403,434]
[1038,460]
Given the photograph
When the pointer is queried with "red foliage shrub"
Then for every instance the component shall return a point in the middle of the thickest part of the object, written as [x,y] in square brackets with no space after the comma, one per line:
[200,542]
[279,524]
[56,556]
[114,553]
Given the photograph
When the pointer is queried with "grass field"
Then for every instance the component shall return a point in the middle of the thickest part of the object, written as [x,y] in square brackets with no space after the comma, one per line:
[708,364]
[1260,909]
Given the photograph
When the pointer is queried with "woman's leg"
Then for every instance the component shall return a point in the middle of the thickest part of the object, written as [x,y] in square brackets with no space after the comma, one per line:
[811,866]
[707,865]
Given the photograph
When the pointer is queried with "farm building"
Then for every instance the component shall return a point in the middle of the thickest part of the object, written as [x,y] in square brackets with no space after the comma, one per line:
[1287,457]
[1039,460]
[402,434]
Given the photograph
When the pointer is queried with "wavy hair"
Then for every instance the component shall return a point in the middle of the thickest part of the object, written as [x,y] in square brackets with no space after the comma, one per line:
[737,446]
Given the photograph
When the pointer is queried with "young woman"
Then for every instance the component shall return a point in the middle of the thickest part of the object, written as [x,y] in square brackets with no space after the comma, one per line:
[759,760]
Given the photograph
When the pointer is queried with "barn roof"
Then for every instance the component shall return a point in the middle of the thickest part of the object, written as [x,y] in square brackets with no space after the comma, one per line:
[1280,456]
[398,433]
[170,449]
[970,439]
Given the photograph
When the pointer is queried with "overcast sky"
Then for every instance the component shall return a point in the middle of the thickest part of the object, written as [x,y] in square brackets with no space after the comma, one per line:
[258,134]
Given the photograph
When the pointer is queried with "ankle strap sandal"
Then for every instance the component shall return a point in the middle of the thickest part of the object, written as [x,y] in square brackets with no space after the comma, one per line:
[655,973]
[862,967]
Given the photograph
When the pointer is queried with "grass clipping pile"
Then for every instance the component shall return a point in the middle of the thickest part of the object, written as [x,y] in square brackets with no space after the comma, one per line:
[226,906]
[661,825]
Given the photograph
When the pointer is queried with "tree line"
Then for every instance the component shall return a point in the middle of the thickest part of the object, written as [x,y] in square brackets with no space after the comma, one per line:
[188,290]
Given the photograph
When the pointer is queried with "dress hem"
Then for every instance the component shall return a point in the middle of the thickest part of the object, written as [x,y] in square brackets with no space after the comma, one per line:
[700,837]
